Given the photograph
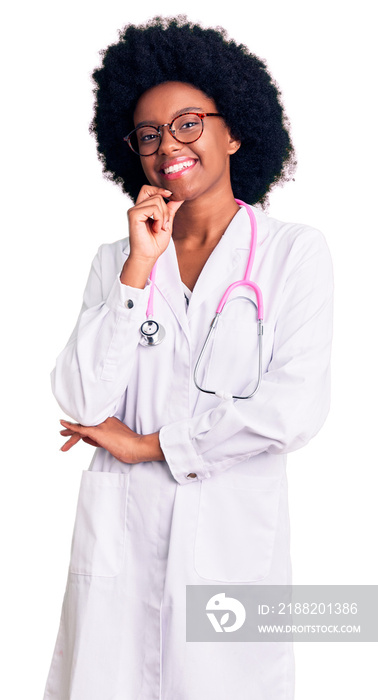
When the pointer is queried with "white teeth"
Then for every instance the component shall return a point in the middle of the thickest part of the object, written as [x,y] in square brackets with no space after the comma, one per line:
[179,166]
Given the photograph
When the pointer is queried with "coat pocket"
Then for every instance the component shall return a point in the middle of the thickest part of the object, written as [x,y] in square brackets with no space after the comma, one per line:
[236,530]
[98,539]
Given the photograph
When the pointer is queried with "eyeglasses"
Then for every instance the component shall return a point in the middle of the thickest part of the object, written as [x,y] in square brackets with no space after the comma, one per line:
[186,128]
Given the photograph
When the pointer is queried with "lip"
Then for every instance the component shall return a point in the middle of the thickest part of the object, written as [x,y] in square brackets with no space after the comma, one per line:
[177,161]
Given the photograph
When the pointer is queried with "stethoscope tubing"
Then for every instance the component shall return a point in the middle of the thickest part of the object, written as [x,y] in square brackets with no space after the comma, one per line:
[221,394]
[245,282]
[251,258]
[149,339]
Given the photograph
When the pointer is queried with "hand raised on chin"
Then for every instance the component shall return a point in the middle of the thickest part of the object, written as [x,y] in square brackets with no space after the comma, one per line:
[150,230]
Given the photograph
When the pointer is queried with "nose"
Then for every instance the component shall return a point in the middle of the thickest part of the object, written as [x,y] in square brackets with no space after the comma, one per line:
[168,144]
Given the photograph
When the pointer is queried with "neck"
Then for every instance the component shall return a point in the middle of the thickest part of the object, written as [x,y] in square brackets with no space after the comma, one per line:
[202,222]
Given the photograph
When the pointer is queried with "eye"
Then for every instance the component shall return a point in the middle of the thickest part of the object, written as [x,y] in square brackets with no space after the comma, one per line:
[147,134]
[188,125]
[187,122]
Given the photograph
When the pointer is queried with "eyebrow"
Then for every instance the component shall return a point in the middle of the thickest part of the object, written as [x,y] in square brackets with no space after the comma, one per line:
[176,114]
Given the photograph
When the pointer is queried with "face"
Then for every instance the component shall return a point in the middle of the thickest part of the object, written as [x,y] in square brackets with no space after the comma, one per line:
[207,161]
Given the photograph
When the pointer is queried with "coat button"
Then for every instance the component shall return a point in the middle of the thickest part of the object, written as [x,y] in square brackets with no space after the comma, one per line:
[191,476]
[129,303]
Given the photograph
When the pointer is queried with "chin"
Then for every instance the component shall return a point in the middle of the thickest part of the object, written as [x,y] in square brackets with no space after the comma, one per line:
[182,194]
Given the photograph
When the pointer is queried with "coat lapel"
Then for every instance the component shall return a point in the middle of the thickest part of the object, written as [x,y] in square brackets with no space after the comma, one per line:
[168,283]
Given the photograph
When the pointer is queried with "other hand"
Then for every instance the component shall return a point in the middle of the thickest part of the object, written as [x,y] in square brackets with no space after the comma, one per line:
[116,437]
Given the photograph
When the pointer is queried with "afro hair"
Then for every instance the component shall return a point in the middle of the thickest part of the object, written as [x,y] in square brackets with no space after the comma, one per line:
[174,49]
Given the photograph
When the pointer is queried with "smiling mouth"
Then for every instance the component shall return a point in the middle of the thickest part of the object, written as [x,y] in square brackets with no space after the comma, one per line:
[178,167]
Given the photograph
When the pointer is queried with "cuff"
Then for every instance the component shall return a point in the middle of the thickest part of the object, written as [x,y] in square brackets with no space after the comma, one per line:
[185,464]
[130,299]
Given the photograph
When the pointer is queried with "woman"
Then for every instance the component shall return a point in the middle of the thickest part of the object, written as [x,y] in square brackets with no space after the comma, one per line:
[187,487]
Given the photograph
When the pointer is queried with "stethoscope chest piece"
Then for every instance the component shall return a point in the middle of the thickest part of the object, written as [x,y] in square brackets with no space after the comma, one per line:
[152,333]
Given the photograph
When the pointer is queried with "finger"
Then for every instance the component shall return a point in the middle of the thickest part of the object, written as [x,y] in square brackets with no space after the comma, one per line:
[150,191]
[88,440]
[74,439]
[153,213]
[74,427]
[160,223]
[80,432]
[169,212]
[172,209]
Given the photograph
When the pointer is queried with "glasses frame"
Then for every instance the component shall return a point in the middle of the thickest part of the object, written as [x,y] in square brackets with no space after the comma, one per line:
[201,115]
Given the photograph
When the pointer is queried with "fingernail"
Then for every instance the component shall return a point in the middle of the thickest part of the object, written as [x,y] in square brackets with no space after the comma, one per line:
[168,191]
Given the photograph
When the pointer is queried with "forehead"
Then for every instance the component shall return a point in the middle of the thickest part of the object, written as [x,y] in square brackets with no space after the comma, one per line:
[162,102]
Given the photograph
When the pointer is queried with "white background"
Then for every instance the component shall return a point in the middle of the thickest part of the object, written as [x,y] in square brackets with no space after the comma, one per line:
[58,209]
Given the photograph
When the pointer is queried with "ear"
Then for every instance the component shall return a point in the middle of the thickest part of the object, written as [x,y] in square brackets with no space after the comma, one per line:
[234,144]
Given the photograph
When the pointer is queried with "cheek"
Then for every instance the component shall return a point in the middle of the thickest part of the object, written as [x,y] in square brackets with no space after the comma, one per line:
[215,149]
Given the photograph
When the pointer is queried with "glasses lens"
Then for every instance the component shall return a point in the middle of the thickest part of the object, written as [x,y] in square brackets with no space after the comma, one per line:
[145,140]
[187,127]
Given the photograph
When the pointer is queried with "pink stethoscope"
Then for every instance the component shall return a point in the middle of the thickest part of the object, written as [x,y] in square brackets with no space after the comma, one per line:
[152,333]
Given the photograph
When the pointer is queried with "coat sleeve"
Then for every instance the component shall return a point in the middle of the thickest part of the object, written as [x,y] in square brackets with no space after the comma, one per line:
[89,379]
[293,400]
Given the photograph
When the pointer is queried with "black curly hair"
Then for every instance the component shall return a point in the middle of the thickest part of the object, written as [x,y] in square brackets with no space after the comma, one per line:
[174,49]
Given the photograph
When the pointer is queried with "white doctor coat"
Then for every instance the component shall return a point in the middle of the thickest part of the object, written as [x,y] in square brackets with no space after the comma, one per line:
[145,531]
